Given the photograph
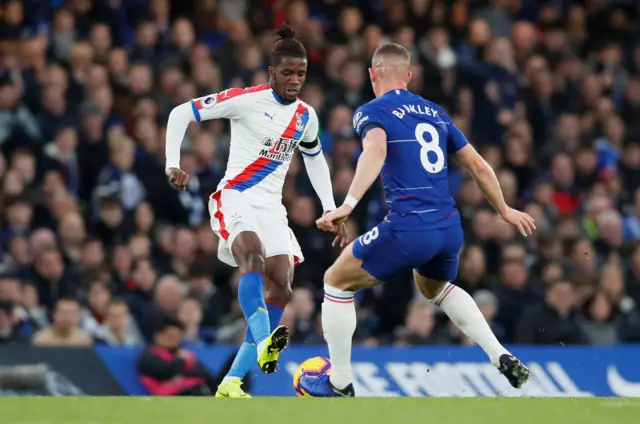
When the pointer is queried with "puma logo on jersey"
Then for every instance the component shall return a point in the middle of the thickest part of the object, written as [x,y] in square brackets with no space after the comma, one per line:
[268,116]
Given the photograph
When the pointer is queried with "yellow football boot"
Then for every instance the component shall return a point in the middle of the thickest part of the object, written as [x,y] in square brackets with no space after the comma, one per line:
[232,389]
[274,344]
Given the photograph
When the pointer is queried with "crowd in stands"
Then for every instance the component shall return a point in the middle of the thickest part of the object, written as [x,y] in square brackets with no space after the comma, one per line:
[95,245]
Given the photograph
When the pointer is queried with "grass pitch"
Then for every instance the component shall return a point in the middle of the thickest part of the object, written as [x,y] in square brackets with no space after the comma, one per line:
[137,410]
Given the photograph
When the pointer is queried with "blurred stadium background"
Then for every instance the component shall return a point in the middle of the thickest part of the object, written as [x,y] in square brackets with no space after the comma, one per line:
[95,244]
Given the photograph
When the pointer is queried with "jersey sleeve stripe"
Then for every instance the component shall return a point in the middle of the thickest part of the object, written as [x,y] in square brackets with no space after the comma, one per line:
[229,94]
[196,110]
[253,174]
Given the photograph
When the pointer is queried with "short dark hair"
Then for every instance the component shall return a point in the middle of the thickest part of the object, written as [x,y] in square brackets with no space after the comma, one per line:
[165,321]
[392,49]
[6,306]
[22,151]
[140,261]
[16,200]
[287,45]
[66,299]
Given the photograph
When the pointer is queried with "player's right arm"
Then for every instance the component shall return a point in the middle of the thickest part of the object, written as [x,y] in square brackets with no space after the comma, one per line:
[227,104]
[486,179]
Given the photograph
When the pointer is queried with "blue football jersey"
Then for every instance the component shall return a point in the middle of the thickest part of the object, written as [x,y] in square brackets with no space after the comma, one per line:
[420,136]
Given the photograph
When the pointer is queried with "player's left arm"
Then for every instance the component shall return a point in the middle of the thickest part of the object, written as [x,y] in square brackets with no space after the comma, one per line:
[316,164]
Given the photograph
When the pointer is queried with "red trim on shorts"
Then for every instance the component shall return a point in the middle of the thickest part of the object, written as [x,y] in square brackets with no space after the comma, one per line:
[218,215]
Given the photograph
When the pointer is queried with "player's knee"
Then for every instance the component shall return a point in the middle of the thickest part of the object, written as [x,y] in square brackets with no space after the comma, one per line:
[329,277]
[279,294]
[333,278]
[253,262]
[428,287]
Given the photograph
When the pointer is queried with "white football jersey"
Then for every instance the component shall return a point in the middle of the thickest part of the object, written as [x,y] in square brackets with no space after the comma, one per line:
[265,132]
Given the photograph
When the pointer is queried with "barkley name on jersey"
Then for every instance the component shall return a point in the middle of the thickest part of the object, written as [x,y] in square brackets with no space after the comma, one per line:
[265,131]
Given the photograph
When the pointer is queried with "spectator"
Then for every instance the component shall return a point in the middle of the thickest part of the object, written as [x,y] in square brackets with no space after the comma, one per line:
[472,269]
[140,288]
[19,126]
[7,331]
[93,256]
[111,225]
[599,327]
[62,153]
[514,296]
[612,282]
[553,322]
[52,277]
[212,300]
[166,369]
[190,315]
[419,327]
[488,304]
[144,218]
[118,328]
[167,300]
[185,255]
[85,91]
[72,236]
[303,307]
[30,315]
[64,330]
[10,289]
[94,315]
[119,173]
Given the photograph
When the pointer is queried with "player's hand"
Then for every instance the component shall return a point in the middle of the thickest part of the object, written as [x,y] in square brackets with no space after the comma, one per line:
[342,236]
[330,220]
[521,220]
[178,177]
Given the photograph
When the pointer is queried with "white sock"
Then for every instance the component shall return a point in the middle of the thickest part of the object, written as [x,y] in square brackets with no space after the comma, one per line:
[465,314]
[261,345]
[227,379]
[338,325]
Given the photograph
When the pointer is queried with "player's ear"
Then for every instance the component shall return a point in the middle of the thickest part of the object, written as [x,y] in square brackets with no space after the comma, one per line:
[409,75]
[372,75]
[271,72]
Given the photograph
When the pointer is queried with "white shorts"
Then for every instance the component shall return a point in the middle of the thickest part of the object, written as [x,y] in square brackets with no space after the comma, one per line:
[233,212]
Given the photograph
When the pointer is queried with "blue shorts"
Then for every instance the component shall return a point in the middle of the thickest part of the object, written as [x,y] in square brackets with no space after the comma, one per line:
[433,253]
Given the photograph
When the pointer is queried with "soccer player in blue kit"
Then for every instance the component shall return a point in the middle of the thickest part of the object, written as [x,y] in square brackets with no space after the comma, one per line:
[406,140]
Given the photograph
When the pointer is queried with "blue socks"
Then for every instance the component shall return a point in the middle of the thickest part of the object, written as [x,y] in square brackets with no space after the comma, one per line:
[275,314]
[248,355]
[251,297]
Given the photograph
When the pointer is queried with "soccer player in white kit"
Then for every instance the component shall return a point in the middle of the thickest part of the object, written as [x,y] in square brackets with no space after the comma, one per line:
[268,122]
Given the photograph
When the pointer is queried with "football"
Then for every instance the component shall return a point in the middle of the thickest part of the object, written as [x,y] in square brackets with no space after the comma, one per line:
[312,378]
